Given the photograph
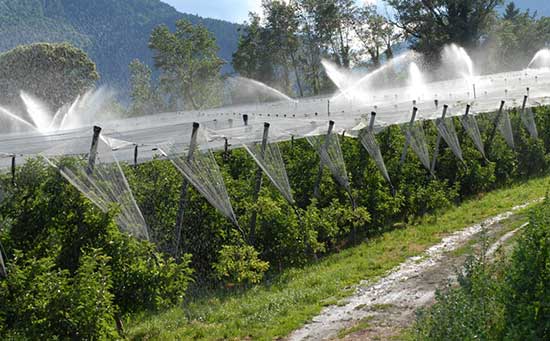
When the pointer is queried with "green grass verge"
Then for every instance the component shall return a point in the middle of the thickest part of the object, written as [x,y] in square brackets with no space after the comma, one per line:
[273,310]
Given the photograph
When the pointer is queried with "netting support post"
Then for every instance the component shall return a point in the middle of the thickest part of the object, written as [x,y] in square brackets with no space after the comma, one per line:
[93,150]
[245,119]
[258,187]
[13,170]
[524,105]
[184,188]
[135,156]
[408,137]
[316,189]
[438,141]
[494,129]
[371,122]
[225,149]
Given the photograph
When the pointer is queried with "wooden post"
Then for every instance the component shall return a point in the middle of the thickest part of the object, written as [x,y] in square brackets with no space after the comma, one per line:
[135,156]
[524,103]
[258,186]
[408,137]
[467,110]
[321,165]
[328,107]
[13,170]
[184,189]
[245,119]
[494,129]
[225,149]
[93,150]
[371,122]
[438,141]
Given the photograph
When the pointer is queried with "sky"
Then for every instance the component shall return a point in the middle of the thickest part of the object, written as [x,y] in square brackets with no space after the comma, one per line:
[230,10]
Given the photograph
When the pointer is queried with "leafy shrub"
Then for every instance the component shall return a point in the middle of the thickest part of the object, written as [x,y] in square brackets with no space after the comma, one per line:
[44,302]
[75,272]
[508,300]
[240,265]
[527,282]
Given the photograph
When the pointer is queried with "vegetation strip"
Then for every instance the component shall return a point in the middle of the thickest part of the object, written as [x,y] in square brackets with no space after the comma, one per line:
[401,288]
[277,308]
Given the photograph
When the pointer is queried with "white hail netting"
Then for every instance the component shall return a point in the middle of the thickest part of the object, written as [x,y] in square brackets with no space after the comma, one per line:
[271,162]
[446,129]
[105,185]
[203,172]
[368,140]
[417,141]
[505,127]
[528,119]
[469,122]
[331,156]
[2,266]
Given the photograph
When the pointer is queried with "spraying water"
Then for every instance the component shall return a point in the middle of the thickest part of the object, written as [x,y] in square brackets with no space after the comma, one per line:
[258,88]
[417,84]
[458,61]
[541,60]
[6,113]
[357,89]
[340,77]
[38,111]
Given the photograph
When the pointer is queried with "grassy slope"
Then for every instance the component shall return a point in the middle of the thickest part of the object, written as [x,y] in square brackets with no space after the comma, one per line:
[275,309]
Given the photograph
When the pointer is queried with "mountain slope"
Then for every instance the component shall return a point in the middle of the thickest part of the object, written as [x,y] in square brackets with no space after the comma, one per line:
[112,32]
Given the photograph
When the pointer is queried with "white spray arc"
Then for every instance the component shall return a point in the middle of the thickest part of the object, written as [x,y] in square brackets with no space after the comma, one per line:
[541,60]
[84,110]
[417,83]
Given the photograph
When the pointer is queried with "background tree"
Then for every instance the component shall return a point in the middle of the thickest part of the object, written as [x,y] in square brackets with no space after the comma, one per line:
[145,97]
[252,58]
[282,25]
[433,24]
[376,34]
[56,73]
[189,64]
[513,41]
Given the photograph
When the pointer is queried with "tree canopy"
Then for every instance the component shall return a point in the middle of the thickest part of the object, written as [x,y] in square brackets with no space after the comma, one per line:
[56,73]
[189,63]
[433,24]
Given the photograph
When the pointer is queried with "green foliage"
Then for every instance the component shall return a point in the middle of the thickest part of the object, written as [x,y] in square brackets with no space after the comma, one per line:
[434,24]
[45,302]
[527,293]
[54,72]
[71,273]
[506,300]
[189,65]
[145,96]
[239,264]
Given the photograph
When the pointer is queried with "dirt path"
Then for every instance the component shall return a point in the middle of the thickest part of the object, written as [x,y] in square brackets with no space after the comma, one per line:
[388,305]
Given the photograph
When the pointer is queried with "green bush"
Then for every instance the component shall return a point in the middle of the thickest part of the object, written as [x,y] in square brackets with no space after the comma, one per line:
[71,272]
[239,264]
[507,300]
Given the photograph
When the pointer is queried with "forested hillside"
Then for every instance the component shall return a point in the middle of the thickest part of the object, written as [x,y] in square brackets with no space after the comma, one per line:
[112,32]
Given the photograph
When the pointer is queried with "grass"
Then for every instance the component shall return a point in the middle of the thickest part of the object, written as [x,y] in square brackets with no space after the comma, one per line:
[510,224]
[275,309]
